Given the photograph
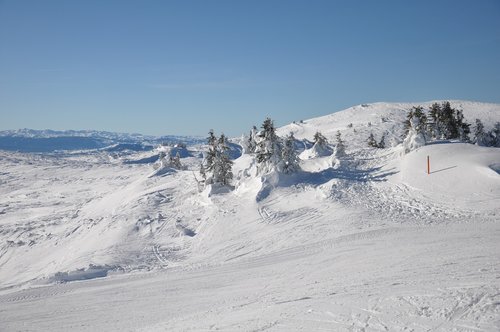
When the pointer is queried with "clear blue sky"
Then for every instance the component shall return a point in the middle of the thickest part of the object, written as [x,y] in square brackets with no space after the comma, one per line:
[183,67]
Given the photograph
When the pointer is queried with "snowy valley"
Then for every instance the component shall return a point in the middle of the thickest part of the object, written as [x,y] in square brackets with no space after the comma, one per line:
[103,238]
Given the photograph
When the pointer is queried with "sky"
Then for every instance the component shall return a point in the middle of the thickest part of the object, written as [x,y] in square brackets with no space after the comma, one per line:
[185,67]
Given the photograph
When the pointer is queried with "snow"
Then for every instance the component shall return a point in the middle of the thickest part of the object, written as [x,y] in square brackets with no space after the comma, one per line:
[92,241]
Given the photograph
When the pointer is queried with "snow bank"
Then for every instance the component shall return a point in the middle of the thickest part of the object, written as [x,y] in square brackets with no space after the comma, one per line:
[461,175]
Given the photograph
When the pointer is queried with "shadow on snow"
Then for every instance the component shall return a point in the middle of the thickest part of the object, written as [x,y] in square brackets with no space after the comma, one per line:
[374,174]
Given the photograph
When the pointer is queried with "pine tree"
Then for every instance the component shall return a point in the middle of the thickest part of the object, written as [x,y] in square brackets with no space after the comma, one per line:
[175,162]
[495,133]
[223,164]
[320,147]
[290,161]
[251,141]
[371,141]
[480,137]
[268,150]
[340,146]
[217,168]
[212,150]
[419,113]
[407,123]
[433,122]
[463,127]
[448,118]
[381,144]
[414,139]
[319,139]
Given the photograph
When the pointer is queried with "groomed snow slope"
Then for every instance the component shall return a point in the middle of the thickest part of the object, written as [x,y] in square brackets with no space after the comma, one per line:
[373,243]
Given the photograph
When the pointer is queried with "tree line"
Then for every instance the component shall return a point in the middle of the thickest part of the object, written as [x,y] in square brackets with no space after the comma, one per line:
[442,121]
[271,152]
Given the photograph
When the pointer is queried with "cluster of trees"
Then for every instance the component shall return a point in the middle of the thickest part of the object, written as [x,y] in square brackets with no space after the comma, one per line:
[216,168]
[321,143]
[490,138]
[271,151]
[440,122]
[445,122]
[171,161]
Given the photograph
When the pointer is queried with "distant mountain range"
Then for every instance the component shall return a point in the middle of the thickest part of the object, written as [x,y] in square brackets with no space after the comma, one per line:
[30,140]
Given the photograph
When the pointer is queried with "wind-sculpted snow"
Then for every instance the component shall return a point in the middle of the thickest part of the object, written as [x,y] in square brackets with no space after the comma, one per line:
[368,241]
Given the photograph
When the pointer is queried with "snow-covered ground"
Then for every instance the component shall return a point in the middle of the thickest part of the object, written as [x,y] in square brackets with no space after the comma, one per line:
[370,243]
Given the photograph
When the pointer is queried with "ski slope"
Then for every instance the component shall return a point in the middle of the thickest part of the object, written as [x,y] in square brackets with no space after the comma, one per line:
[90,241]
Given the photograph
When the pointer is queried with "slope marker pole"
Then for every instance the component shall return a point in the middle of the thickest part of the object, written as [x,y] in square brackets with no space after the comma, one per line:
[428,165]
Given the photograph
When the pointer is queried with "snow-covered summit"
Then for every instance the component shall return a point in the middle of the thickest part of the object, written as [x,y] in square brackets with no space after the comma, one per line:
[356,123]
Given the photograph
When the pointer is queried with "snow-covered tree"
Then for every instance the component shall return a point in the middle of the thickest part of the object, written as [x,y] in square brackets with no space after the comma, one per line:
[448,118]
[223,165]
[319,139]
[290,161]
[445,122]
[203,173]
[414,139]
[268,149]
[415,112]
[462,127]
[371,141]
[381,143]
[217,166]
[250,142]
[433,121]
[175,162]
[212,151]
[495,135]
[340,146]
[161,159]
[441,122]
[480,136]
[320,147]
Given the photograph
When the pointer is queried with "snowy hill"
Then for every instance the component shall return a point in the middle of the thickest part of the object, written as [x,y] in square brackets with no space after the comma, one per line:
[357,122]
[369,241]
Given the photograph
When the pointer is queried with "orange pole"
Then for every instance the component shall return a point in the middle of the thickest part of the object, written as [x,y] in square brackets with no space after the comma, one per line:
[428,165]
